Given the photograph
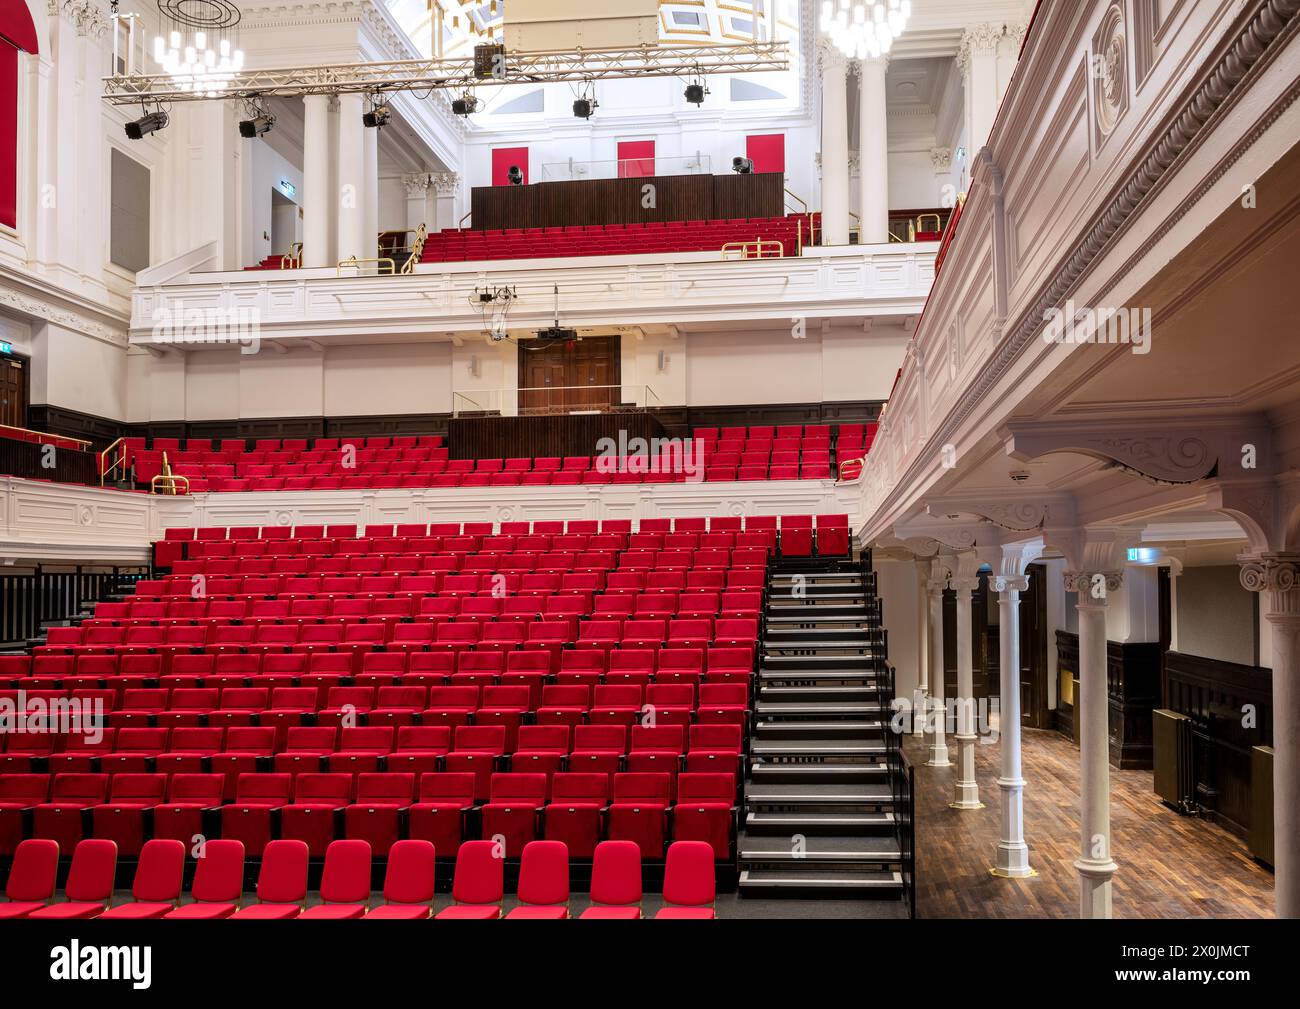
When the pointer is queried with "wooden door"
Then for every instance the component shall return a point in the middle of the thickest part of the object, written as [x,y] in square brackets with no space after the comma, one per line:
[13,392]
[1034,713]
[578,375]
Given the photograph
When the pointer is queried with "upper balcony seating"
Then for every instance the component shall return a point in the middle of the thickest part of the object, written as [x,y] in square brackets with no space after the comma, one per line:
[785,452]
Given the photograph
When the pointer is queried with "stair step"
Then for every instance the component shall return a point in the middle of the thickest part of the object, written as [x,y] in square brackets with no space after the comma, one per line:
[819,793]
[810,709]
[841,882]
[813,821]
[782,695]
[854,730]
[829,848]
[814,774]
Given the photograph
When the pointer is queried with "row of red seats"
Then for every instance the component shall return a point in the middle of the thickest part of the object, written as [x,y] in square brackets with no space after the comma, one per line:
[717,524]
[408,893]
[51,677]
[446,808]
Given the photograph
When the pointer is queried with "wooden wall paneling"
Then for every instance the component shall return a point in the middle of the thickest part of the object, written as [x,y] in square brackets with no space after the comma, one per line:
[558,435]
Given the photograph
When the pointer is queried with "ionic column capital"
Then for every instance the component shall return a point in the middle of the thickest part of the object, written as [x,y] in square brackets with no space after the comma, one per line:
[1009,583]
[964,584]
[1093,587]
[1277,578]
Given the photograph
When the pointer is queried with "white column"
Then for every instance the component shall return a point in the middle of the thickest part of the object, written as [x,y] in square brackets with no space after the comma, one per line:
[1277,578]
[920,705]
[965,790]
[370,179]
[317,250]
[417,199]
[873,152]
[977,57]
[1094,864]
[835,144]
[935,586]
[446,185]
[351,179]
[1013,853]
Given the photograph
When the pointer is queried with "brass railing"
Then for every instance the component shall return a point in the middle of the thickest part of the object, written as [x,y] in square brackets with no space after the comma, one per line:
[170,482]
[845,464]
[757,249]
[293,261]
[352,262]
[119,461]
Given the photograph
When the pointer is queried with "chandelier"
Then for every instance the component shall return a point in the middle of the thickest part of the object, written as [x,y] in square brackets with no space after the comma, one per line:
[195,47]
[864,29]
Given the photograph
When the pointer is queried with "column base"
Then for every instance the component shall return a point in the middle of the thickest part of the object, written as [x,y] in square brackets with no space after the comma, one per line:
[1012,861]
[1094,887]
[938,755]
[966,793]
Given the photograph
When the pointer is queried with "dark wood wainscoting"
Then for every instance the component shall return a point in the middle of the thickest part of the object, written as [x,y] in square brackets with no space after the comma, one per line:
[41,462]
[1231,708]
[557,435]
[1132,689]
[621,201]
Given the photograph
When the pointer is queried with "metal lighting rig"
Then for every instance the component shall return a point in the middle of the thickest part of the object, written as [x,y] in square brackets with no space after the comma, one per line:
[459,74]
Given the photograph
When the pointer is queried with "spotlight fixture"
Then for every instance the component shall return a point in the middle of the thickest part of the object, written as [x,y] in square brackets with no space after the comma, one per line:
[379,115]
[515,175]
[742,166]
[584,107]
[695,93]
[151,122]
[255,127]
[465,105]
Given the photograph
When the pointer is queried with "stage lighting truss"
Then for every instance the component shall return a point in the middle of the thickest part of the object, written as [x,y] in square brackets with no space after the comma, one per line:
[457,75]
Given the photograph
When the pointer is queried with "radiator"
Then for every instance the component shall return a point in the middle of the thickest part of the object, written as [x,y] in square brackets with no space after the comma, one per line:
[1175,780]
[1261,803]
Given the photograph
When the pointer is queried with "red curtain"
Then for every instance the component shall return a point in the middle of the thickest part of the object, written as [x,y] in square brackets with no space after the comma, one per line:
[16,32]
[767,152]
[636,159]
[502,160]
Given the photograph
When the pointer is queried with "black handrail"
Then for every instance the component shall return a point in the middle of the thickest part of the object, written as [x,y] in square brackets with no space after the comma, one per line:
[29,599]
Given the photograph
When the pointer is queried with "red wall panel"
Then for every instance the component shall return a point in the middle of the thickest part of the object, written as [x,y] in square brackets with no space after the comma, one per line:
[8,135]
[767,152]
[636,159]
[503,158]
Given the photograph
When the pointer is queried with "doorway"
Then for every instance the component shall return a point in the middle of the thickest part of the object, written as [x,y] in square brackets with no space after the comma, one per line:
[13,391]
[284,223]
[571,376]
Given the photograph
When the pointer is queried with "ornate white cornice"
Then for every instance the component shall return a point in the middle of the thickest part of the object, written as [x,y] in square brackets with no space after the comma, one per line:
[48,311]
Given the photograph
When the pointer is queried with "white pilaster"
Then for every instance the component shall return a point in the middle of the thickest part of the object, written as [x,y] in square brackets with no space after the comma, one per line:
[317,249]
[1094,864]
[370,179]
[835,144]
[966,789]
[935,586]
[1277,578]
[1013,853]
[417,199]
[873,152]
[922,645]
[351,179]
[446,186]
[977,57]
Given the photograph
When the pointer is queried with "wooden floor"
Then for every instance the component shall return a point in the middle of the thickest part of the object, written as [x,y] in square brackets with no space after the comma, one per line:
[1170,866]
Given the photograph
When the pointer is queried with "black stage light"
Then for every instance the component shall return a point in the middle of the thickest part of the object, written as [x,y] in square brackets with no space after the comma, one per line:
[378,117]
[140,128]
[515,175]
[464,106]
[742,166]
[695,93]
[584,107]
[255,127]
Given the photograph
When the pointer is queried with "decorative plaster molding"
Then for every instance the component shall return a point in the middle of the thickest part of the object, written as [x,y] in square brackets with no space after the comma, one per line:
[1009,583]
[1271,573]
[62,317]
[1085,583]
[445,183]
[1109,71]
[829,56]
[941,158]
[87,16]
[982,39]
[416,185]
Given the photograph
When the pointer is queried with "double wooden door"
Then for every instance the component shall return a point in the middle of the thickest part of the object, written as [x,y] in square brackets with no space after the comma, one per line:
[565,377]
[13,392]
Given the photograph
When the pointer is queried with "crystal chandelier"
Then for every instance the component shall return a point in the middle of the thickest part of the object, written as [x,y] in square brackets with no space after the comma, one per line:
[195,48]
[864,29]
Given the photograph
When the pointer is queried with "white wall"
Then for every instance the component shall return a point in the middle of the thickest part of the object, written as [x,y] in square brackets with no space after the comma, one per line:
[897,585]
[265,168]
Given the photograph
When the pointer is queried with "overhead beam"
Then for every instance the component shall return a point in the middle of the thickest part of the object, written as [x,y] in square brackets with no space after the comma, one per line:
[458,74]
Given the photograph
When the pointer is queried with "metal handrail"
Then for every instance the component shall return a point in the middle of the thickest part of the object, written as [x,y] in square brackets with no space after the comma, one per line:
[861,462]
[170,481]
[353,261]
[797,199]
[461,222]
[104,469]
[484,404]
[417,250]
[756,249]
[293,260]
[44,434]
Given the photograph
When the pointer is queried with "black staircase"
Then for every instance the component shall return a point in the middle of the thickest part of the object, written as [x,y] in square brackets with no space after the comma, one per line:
[827,804]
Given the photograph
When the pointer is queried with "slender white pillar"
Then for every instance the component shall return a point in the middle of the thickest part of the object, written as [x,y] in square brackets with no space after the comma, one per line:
[370,204]
[977,58]
[835,144]
[1094,864]
[966,793]
[351,179]
[873,152]
[317,250]
[920,704]
[1277,577]
[446,185]
[417,200]
[938,743]
[1013,853]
